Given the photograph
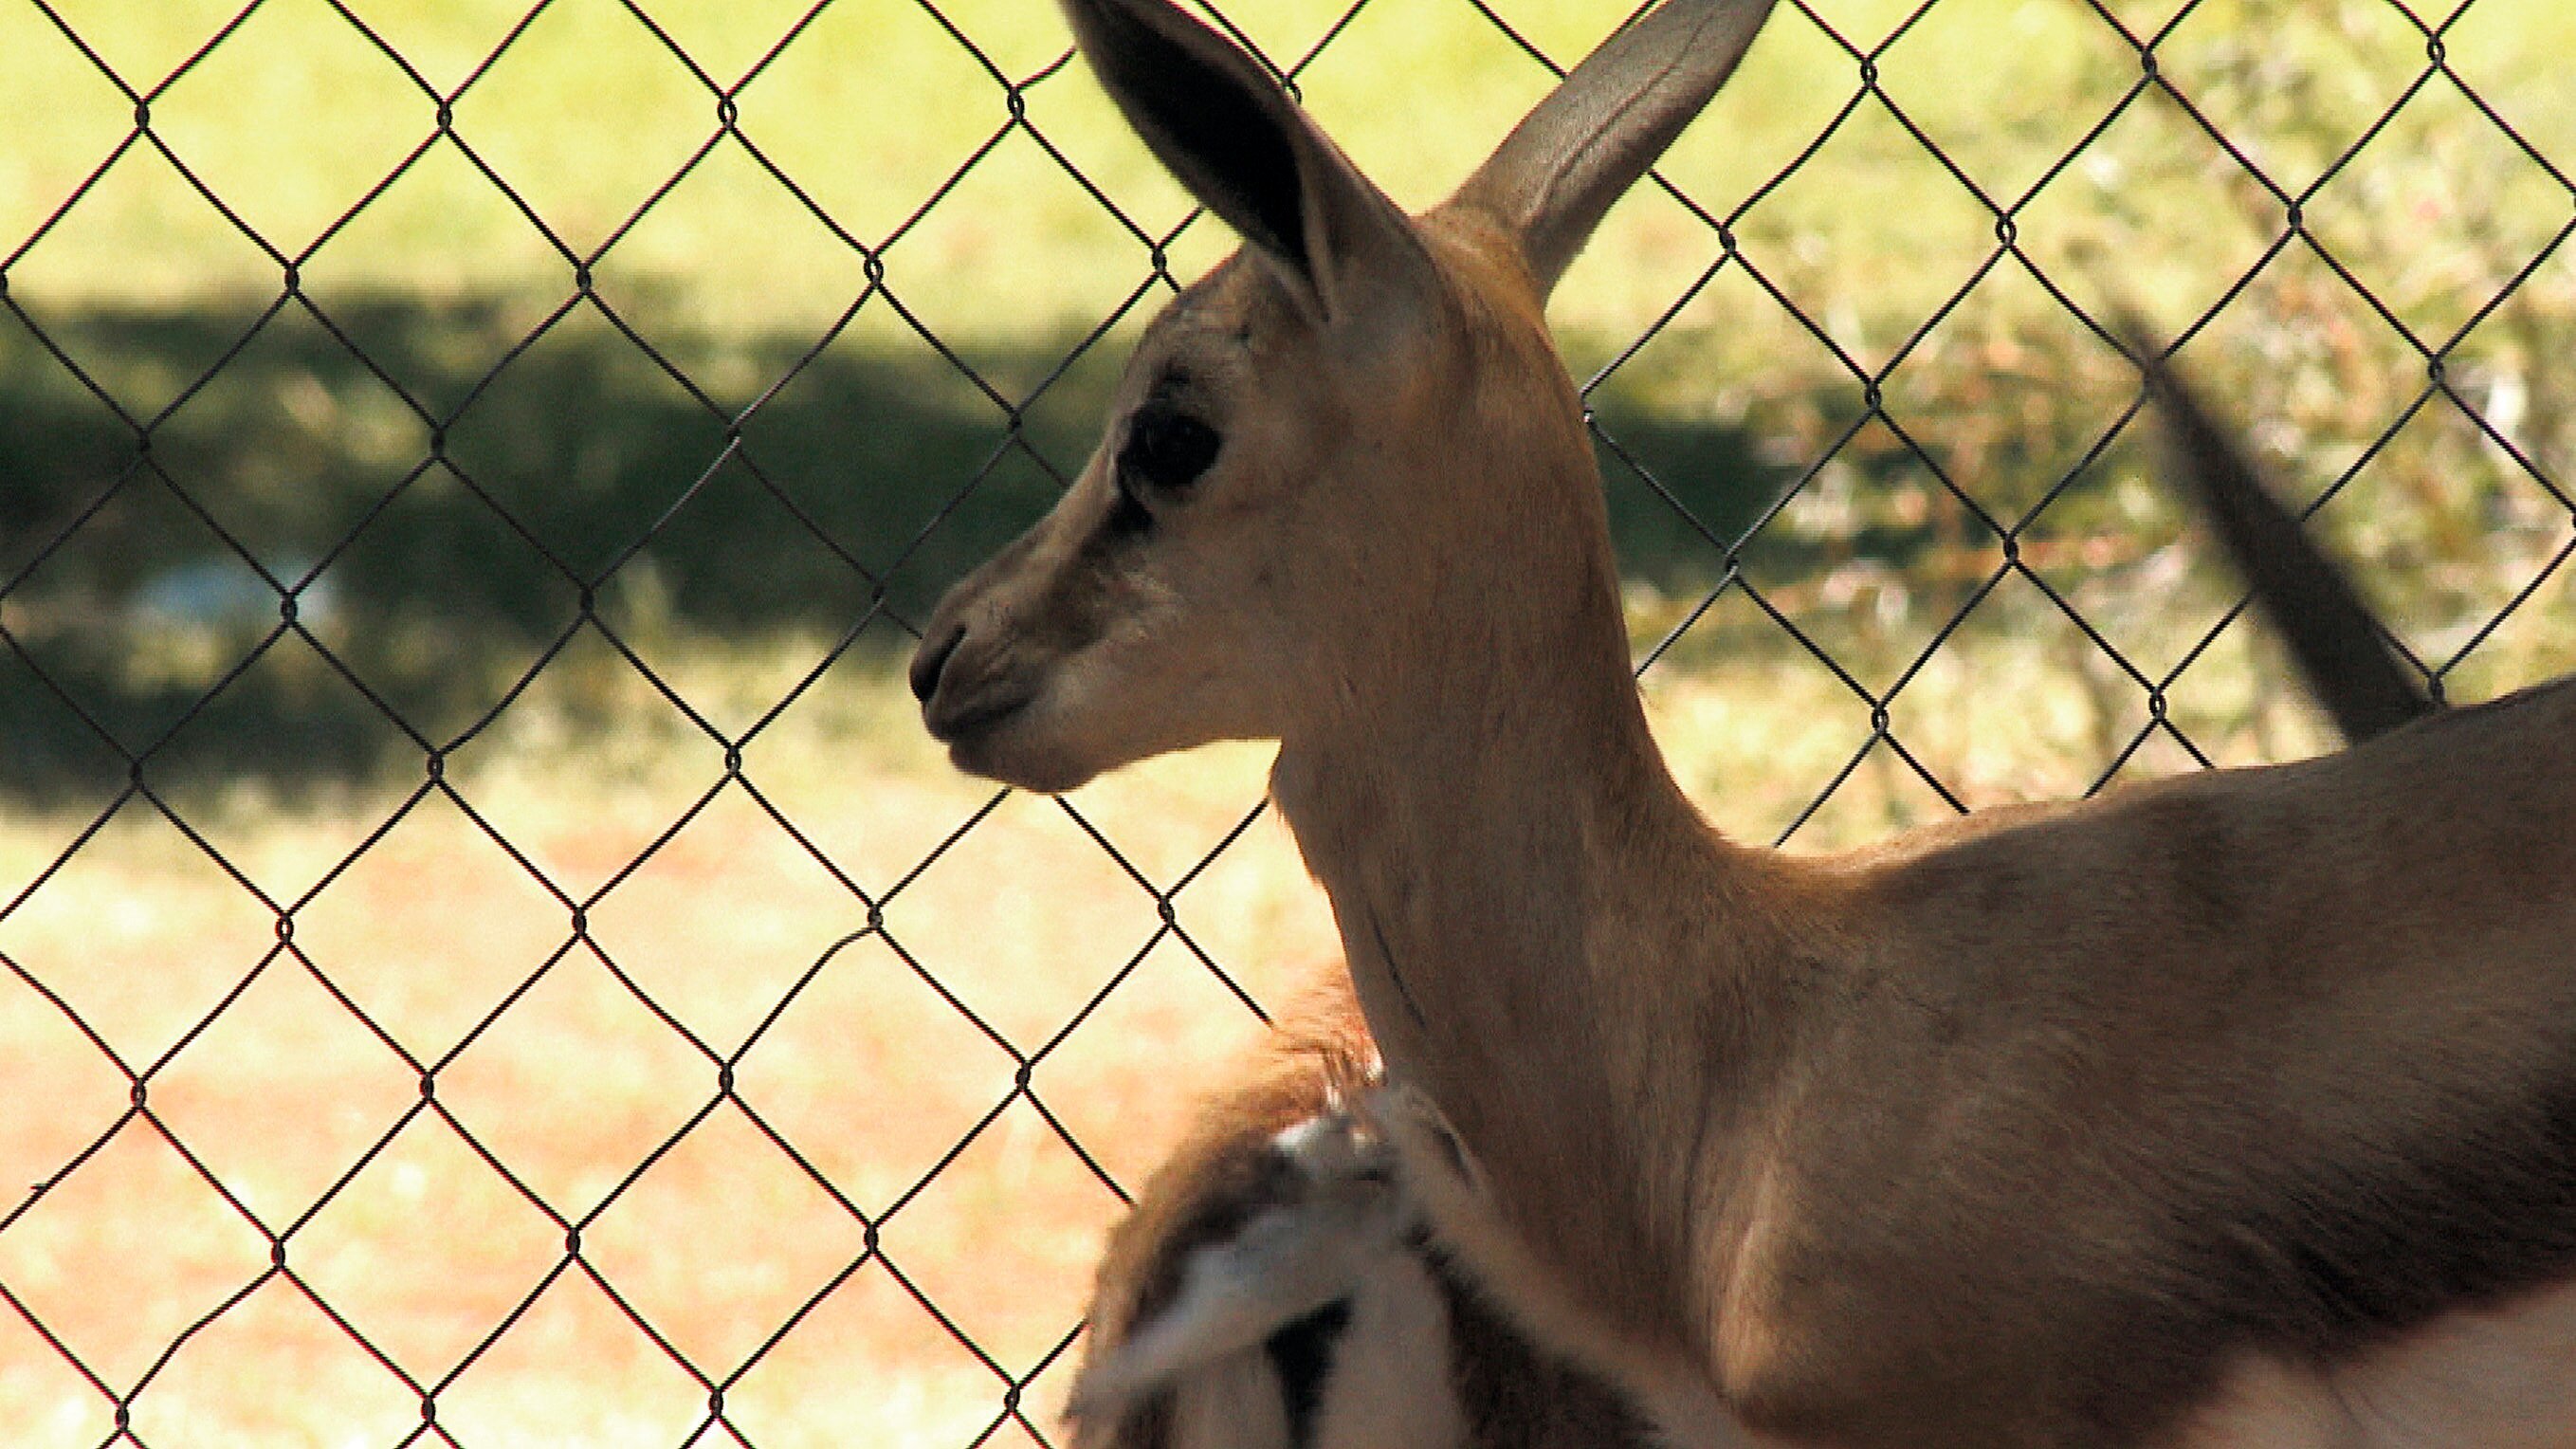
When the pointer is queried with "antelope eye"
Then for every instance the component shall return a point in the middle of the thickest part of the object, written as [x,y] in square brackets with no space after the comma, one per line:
[1167,449]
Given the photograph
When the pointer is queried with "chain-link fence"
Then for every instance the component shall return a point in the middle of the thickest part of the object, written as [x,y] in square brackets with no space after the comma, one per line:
[488,958]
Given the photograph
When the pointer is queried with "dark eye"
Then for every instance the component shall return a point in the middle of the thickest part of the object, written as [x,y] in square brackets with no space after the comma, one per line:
[1167,450]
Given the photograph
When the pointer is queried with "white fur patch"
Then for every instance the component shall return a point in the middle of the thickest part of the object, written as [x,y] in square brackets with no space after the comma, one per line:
[1287,1263]
[2500,1379]
[1387,1385]
[1391,1384]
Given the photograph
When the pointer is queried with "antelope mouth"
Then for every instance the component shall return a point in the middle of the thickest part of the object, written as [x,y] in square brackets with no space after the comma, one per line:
[961,723]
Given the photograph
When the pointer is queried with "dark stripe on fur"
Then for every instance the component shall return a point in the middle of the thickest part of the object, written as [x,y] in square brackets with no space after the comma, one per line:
[1519,1397]
[1302,1355]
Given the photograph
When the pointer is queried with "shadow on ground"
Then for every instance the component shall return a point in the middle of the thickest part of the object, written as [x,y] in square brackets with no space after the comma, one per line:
[435,499]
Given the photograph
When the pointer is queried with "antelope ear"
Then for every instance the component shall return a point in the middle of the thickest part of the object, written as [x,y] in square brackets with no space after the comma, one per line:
[2335,642]
[1222,126]
[1555,176]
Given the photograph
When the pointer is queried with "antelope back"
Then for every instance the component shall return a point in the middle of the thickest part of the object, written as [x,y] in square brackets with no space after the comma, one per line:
[1355,424]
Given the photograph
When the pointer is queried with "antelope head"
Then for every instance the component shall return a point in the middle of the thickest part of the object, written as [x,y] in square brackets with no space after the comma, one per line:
[1355,425]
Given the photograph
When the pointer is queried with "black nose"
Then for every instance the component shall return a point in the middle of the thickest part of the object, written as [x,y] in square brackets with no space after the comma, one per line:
[932,658]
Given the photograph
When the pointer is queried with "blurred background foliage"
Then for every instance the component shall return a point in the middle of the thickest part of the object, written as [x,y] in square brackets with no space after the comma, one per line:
[786,364]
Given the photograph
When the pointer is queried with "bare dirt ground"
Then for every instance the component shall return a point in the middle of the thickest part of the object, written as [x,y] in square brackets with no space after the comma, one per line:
[577,1076]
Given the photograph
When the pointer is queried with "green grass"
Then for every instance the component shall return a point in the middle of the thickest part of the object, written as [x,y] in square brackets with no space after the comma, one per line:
[295,116]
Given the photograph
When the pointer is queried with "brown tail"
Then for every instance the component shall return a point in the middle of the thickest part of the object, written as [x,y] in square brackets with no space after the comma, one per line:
[2333,638]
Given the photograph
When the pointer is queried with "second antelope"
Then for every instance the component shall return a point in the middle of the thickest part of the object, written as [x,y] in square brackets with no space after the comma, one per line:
[2239,1109]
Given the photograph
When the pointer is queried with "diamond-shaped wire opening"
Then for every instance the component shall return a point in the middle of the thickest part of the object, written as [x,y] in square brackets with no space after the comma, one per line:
[2434,500]
[187,611]
[886,60]
[731,874]
[288,445]
[2117,559]
[793,273]
[992,918]
[436,608]
[1004,1239]
[873,1074]
[282,1092]
[572,1368]
[139,933]
[1947,234]
[583,440]
[2153,171]
[1015,191]
[434,279]
[224,118]
[507,771]
[2296,94]
[424,1249]
[734,557]
[126,1251]
[287,714]
[246,1376]
[2438,239]
[2007,140]
[1117,1101]
[1875,614]
[763,1238]
[2012,394]
[529,116]
[573,1083]
[430,926]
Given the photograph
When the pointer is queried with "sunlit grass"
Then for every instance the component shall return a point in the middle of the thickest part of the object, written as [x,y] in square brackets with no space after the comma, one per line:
[296,116]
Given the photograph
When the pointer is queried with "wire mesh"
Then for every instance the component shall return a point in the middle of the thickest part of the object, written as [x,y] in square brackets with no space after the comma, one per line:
[113,1123]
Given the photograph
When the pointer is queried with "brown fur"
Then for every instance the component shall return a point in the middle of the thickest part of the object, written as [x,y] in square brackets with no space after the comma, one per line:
[2056,1127]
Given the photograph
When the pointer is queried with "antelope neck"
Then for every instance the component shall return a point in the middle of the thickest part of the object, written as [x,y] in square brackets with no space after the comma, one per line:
[1521,890]
[1488,827]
